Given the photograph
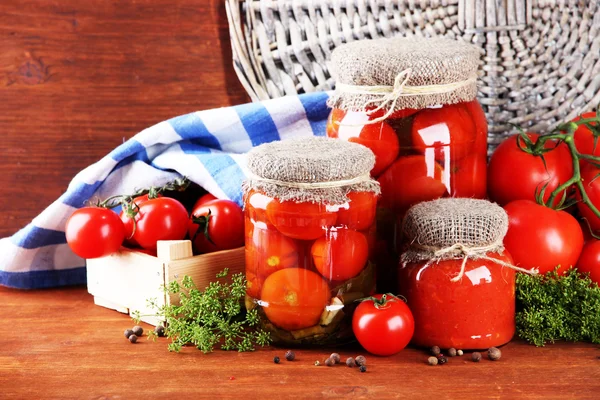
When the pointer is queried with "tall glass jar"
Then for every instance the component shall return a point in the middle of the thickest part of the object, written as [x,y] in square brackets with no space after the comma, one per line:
[457,280]
[310,228]
[412,102]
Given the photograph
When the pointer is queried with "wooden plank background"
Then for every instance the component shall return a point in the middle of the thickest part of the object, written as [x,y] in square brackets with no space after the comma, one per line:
[77,78]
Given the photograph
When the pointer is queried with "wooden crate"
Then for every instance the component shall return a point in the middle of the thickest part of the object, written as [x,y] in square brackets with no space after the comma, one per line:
[125,280]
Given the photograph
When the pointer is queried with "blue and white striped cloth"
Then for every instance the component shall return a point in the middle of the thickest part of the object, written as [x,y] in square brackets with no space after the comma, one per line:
[208,147]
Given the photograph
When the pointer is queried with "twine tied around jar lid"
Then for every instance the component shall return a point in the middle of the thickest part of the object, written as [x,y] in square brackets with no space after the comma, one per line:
[312,169]
[455,228]
[401,73]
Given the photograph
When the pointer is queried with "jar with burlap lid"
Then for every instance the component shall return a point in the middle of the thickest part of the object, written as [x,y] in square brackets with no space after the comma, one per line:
[412,102]
[456,276]
[310,228]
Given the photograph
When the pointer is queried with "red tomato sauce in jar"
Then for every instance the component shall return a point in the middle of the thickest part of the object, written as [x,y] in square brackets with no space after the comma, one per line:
[476,312]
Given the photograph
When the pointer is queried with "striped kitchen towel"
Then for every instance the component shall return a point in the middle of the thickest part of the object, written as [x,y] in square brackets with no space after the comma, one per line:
[208,147]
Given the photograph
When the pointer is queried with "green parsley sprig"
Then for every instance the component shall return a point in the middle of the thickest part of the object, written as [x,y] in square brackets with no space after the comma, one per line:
[210,318]
[552,307]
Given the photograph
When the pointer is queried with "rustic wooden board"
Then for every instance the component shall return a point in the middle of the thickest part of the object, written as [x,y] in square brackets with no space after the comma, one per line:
[77,78]
[58,344]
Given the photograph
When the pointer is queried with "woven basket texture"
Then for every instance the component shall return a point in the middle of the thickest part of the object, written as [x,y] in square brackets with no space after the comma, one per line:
[540,59]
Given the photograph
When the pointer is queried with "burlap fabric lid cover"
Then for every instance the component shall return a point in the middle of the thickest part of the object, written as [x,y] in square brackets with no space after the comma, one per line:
[433,71]
[315,169]
[478,226]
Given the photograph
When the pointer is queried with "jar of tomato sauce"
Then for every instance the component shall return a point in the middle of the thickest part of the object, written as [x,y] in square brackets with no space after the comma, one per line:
[458,280]
[310,227]
[412,102]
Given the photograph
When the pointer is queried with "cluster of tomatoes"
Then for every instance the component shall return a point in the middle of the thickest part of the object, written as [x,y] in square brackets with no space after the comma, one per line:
[421,154]
[213,225]
[539,236]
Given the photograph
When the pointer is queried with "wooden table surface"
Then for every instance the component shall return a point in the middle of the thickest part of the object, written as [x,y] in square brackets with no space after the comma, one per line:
[58,344]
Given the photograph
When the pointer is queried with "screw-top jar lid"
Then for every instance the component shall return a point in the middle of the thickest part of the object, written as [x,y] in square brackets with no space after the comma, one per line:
[314,169]
[400,73]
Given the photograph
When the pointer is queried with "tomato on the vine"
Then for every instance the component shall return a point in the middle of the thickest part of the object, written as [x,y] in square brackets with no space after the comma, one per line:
[410,180]
[589,260]
[205,198]
[221,224]
[540,237]
[584,140]
[157,219]
[341,254]
[514,174]
[305,221]
[94,232]
[360,212]
[383,324]
[294,298]
[591,185]
[128,221]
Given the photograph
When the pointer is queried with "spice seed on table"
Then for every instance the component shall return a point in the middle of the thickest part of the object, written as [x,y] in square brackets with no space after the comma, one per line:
[442,360]
[276,359]
[494,353]
[360,360]
[329,362]
[138,330]
[476,357]
[452,352]
[335,357]
[290,355]
[159,330]
[133,338]
[317,363]
[435,350]
[350,362]
[459,353]
[128,332]
[432,360]
[363,368]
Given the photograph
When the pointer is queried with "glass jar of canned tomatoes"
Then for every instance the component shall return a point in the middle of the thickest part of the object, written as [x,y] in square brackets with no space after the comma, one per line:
[310,229]
[412,102]
[456,277]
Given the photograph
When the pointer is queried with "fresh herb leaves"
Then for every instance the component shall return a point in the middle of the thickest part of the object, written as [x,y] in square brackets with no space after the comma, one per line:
[210,318]
[552,307]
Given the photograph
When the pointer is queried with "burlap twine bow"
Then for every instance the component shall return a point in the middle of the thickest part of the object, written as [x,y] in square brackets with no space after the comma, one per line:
[447,229]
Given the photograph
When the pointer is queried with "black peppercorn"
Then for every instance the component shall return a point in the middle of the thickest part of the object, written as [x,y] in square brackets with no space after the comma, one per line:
[335,357]
[133,338]
[432,361]
[435,351]
[442,360]
[128,332]
[329,362]
[476,357]
[276,359]
[494,353]
[452,352]
[360,360]
[290,355]
[350,362]
[159,330]
[363,368]
[137,330]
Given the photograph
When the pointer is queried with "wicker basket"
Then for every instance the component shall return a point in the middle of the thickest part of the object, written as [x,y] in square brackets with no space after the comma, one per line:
[541,58]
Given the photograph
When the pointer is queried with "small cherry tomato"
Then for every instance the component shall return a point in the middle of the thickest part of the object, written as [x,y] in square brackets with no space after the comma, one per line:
[584,140]
[295,298]
[128,221]
[591,185]
[221,224]
[449,132]
[157,219]
[410,180]
[305,221]
[516,175]
[94,232]
[268,251]
[383,325]
[359,214]
[589,260]
[341,254]
[543,238]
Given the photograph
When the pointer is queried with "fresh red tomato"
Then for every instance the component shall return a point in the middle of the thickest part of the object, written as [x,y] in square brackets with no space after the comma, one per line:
[205,198]
[515,175]
[341,254]
[383,326]
[224,226]
[591,185]
[157,219]
[295,298]
[268,251]
[94,232]
[410,180]
[128,222]
[305,221]
[589,260]
[584,140]
[543,238]
[448,132]
[360,211]
[469,177]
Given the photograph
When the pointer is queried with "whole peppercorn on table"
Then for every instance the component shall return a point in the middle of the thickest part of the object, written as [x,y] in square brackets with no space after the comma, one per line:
[58,344]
